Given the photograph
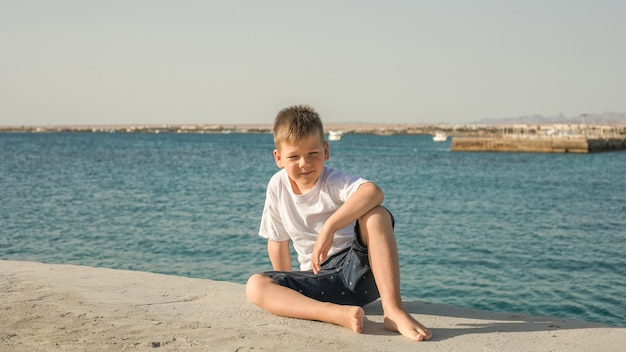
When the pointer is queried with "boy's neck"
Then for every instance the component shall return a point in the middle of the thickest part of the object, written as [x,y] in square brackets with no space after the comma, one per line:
[297,190]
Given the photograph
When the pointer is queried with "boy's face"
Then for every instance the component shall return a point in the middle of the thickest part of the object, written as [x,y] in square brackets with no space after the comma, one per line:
[303,161]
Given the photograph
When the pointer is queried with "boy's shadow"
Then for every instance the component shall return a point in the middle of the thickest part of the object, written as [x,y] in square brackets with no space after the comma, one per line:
[478,322]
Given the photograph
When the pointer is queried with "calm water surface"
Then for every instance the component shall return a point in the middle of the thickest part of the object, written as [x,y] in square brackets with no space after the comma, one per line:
[537,233]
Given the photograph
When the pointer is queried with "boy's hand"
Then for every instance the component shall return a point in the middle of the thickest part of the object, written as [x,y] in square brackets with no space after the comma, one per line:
[320,250]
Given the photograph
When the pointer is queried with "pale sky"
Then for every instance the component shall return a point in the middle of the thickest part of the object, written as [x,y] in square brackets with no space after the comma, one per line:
[224,62]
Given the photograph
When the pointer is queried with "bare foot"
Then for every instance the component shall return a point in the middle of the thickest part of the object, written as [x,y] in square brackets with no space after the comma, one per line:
[405,324]
[350,317]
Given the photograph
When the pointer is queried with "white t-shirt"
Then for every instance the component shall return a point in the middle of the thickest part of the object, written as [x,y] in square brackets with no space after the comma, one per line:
[299,218]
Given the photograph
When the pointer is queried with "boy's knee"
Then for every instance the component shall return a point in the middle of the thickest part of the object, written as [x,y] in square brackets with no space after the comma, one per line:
[254,287]
[379,214]
[377,221]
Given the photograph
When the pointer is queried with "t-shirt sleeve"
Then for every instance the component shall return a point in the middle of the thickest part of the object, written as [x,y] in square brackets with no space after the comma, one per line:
[343,185]
[271,225]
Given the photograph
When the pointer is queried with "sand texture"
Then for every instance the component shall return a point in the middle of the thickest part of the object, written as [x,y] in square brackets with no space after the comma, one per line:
[75,308]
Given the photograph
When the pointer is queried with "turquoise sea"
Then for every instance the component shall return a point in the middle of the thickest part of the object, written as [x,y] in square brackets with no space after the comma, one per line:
[538,233]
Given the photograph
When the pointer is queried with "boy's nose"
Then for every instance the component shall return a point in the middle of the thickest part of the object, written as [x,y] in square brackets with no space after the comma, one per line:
[304,161]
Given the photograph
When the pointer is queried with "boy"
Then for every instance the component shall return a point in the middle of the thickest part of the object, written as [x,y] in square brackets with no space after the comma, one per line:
[340,231]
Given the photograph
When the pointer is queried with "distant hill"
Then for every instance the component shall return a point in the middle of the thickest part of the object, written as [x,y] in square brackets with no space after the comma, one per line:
[607,118]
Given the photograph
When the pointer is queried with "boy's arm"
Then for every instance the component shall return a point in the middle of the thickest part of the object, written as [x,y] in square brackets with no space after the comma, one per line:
[280,257]
[364,199]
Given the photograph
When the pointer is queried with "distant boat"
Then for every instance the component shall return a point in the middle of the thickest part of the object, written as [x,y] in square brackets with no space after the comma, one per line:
[440,137]
[335,135]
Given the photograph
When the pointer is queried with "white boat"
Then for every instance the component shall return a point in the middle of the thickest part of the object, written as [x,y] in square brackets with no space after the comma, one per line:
[335,135]
[440,137]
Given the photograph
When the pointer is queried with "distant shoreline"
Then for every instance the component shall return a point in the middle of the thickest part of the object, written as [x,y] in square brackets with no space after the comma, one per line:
[354,128]
[350,128]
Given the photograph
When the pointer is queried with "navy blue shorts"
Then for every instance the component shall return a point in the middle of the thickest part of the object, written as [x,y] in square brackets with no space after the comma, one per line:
[345,278]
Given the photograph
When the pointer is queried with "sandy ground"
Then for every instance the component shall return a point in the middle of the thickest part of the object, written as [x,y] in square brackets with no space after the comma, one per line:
[75,308]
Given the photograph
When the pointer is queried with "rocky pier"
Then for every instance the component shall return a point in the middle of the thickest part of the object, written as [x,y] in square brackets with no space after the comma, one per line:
[542,144]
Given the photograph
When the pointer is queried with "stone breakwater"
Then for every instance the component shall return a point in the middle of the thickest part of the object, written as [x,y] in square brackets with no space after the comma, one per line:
[537,145]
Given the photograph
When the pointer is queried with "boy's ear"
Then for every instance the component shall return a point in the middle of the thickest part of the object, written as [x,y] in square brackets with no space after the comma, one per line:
[278,160]
[326,151]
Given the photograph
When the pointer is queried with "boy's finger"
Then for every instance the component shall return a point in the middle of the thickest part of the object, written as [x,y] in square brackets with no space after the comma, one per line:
[316,262]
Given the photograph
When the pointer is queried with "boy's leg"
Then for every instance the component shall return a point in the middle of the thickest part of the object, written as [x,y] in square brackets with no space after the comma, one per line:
[279,300]
[377,235]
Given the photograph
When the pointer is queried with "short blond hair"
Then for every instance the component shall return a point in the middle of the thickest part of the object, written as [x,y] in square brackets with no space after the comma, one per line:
[296,122]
